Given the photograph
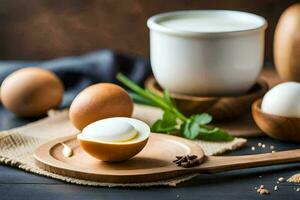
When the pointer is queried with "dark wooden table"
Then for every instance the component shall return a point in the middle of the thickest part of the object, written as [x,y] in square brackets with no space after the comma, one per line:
[17,184]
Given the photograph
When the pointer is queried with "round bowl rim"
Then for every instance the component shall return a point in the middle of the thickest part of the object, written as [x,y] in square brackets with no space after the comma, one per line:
[153,23]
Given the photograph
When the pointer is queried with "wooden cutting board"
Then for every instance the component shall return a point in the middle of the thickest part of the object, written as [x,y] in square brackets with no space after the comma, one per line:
[153,163]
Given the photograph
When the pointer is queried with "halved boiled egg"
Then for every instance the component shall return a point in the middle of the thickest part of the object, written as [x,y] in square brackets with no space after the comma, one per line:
[114,139]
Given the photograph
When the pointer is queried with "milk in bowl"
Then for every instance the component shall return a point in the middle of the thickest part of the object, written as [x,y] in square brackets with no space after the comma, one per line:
[207,52]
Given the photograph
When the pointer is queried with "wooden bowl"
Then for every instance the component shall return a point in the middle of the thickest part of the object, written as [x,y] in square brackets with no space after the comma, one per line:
[187,104]
[278,127]
[221,108]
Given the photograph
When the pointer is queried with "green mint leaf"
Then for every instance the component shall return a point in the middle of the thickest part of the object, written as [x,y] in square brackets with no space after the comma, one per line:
[159,127]
[214,134]
[169,119]
[190,129]
[193,130]
[184,129]
[165,125]
[202,119]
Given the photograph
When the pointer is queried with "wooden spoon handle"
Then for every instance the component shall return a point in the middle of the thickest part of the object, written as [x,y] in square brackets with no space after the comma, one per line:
[226,163]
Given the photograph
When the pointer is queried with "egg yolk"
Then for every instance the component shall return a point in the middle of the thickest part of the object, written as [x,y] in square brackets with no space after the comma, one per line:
[111,131]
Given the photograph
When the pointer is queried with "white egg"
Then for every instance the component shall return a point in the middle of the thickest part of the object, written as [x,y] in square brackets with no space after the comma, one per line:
[283,100]
[117,129]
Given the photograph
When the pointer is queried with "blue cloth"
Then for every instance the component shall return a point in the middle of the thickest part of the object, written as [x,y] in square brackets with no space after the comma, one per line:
[77,72]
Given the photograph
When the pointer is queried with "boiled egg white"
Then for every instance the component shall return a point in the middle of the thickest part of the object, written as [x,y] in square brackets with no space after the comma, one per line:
[283,100]
[111,130]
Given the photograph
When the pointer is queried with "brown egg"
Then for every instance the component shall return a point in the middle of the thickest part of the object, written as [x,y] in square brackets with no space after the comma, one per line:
[99,101]
[287,44]
[31,92]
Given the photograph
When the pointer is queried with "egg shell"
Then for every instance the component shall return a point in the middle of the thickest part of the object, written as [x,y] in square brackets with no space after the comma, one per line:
[287,44]
[100,101]
[31,92]
[283,100]
[112,152]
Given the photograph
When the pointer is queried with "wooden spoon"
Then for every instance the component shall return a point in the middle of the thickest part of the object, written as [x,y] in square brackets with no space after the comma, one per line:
[226,163]
[154,163]
[278,127]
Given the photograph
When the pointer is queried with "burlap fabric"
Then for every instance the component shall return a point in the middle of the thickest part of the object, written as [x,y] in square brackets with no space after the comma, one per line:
[17,145]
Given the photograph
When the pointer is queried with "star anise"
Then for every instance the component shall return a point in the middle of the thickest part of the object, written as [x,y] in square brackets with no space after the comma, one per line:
[187,161]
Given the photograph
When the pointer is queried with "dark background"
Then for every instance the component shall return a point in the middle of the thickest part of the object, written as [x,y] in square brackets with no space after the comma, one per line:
[43,29]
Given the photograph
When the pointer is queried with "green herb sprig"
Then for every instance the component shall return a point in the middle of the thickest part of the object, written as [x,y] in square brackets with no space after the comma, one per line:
[173,121]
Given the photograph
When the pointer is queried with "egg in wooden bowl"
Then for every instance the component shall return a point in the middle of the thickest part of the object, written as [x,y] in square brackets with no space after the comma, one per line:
[278,113]
[114,139]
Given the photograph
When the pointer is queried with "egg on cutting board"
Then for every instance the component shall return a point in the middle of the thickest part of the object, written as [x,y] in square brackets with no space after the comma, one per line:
[114,139]
[283,100]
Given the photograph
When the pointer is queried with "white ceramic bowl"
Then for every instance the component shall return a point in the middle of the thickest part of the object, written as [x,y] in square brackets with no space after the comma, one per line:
[207,52]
